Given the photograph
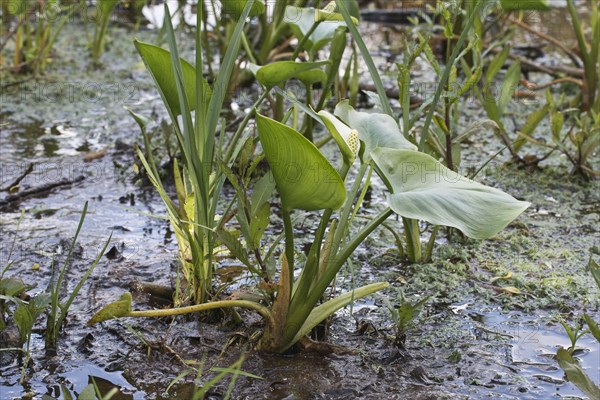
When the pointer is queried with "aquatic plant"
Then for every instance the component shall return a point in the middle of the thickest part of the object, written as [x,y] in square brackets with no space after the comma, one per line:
[590,54]
[294,312]
[104,10]
[33,34]
[206,161]
[420,187]
[58,310]
[579,116]
[565,357]
[405,317]
[49,302]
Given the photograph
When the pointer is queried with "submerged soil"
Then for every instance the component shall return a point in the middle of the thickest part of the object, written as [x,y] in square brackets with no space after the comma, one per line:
[473,340]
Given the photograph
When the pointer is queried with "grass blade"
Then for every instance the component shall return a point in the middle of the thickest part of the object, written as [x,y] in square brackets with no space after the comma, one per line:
[341,6]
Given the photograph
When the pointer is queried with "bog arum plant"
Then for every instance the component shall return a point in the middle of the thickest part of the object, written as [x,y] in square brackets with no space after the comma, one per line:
[306,181]
[420,188]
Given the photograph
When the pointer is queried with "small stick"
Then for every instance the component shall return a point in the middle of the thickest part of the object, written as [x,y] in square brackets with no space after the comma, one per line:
[568,79]
[39,190]
[576,59]
[19,179]
[576,72]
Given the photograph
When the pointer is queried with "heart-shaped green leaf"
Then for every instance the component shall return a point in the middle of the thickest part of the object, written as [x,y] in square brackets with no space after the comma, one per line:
[236,7]
[304,178]
[158,62]
[424,189]
[10,287]
[374,130]
[278,72]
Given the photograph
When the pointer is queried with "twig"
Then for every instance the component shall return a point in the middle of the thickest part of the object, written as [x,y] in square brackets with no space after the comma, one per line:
[394,93]
[575,72]
[568,79]
[576,59]
[19,179]
[39,190]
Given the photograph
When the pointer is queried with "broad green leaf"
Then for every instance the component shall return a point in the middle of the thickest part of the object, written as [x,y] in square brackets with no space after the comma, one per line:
[236,7]
[11,286]
[491,108]
[234,246]
[374,130]
[88,393]
[158,62]
[304,178]
[26,314]
[258,224]
[496,65]
[301,21]
[594,269]
[346,137]
[318,314]
[524,5]
[424,189]
[311,77]
[263,190]
[117,309]
[576,374]
[593,327]
[24,321]
[279,72]
[511,81]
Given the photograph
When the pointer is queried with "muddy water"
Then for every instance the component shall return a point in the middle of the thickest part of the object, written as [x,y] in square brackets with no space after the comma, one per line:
[471,342]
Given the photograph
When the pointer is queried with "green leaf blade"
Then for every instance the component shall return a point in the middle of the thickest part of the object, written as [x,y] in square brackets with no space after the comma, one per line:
[159,64]
[304,178]
[424,189]
[279,72]
[374,130]
[576,374]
